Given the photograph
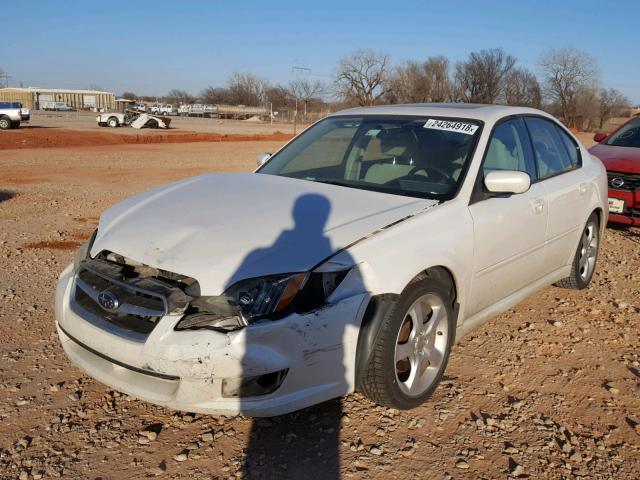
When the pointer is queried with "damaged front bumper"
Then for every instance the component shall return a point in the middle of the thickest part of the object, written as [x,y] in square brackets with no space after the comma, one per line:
[309,358]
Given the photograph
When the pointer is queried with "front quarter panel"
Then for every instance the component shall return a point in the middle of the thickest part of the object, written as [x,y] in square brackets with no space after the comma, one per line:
[439,236]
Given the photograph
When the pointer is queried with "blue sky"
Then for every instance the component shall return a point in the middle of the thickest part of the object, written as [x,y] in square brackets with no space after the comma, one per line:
[150,47]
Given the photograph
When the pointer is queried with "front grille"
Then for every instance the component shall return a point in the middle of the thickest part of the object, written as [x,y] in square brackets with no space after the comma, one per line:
[115,294]
[623,181]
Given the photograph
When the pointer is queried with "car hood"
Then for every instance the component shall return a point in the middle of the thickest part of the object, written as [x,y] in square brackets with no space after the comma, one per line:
[618,159]
[221,228]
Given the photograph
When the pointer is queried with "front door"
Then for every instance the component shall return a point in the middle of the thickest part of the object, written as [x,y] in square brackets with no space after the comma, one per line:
[509,230]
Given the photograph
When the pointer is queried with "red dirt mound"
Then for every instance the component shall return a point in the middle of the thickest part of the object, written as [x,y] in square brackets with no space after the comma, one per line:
[47,138]
[55,244]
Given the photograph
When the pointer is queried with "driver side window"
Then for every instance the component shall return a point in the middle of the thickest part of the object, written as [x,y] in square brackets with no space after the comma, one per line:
[508,149]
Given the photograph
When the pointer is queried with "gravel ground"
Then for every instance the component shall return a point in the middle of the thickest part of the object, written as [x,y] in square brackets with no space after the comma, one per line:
[549,389]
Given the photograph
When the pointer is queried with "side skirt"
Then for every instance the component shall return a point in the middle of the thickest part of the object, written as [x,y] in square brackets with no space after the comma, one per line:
[506,303]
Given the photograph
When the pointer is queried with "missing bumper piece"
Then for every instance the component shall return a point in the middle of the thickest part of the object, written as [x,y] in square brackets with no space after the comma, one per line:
[253,386]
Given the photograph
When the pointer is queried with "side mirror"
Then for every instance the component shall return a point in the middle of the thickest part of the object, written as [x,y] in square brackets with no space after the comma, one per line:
[507,181]
[599,137]
[262,158]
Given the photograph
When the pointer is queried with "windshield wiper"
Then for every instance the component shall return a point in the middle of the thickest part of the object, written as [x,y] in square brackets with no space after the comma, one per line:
[376,188]
[331,182]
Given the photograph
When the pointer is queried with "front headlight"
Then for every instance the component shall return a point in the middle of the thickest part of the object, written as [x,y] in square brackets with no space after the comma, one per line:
[269,297]
[83,252]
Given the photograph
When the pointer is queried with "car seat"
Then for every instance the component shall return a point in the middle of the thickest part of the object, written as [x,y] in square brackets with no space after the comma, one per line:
[401,146]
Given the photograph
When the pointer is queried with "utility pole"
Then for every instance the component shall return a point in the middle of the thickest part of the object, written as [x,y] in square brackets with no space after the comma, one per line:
[298,71]
[295,117]
[4,75]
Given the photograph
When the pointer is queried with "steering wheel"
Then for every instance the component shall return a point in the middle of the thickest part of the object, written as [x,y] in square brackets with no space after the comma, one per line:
[430,168]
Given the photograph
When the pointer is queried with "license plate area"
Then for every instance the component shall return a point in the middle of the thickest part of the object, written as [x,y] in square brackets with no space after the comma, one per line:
[616,205]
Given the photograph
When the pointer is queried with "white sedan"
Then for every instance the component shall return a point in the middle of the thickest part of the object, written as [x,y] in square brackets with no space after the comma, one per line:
[352,259]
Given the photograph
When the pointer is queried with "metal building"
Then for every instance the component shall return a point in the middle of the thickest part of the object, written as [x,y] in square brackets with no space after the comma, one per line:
[33,97]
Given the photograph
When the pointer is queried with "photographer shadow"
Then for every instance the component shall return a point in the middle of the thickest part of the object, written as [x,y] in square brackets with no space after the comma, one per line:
[305,443]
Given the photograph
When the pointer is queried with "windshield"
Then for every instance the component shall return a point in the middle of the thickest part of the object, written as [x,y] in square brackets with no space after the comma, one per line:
[415,156]
[627,136]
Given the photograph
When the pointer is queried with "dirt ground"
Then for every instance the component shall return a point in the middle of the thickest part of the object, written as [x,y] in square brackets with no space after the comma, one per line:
[550,389]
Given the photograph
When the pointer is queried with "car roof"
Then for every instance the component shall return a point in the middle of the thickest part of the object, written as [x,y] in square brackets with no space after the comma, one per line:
[485,113]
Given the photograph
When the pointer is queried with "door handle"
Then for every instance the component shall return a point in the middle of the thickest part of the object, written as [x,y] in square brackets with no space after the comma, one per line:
[582,188]
[538,205]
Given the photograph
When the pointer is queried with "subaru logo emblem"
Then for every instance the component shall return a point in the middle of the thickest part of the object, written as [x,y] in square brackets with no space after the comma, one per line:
[617,182]
[108,300]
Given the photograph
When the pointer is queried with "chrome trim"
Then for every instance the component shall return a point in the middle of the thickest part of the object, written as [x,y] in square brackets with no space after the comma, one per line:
[103,324]
[126,308]
[126,286]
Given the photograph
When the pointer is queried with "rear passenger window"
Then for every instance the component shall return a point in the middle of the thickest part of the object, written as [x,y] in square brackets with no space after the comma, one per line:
[552,156]
[507,149]
[572,148]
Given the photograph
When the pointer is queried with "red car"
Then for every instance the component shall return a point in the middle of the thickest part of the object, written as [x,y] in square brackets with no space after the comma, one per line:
[620,153]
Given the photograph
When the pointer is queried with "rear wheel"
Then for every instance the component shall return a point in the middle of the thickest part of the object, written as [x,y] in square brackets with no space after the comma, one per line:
[112,122]
[5,123]
[585,258]
[411,347]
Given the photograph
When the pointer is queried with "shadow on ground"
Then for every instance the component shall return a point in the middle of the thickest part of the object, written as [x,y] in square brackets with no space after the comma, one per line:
[303,444]
[632,233]
[4,195]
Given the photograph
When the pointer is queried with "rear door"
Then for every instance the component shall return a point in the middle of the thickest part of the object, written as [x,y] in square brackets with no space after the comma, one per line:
[559,169]
[509,230]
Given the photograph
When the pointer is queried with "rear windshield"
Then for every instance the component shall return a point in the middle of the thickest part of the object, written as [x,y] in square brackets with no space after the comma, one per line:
[627,136]
[403,155]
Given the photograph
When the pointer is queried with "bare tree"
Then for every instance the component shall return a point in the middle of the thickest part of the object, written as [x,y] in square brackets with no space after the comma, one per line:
[129,96]
[566,72]
[407,84]
[305,90]
[416,82]
[362,77]
[480,78]
[437,71]
[247,89]
[179,97]
[215,96]
[521,88]
[612,103]
[280,97]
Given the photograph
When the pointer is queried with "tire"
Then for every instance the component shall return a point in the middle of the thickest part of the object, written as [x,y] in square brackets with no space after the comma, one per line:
[584,261]
[393,380]
[113,122]
[5,123]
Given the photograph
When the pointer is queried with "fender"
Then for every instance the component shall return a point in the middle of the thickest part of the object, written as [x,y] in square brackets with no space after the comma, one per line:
[378,308]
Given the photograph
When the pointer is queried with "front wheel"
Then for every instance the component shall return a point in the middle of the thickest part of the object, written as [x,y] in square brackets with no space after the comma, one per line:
[112,122]
[585,258]
[411,348]
[5,123]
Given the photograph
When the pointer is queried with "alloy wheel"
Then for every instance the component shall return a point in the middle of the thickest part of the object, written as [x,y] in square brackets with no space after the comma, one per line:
[421,344]
[588,251]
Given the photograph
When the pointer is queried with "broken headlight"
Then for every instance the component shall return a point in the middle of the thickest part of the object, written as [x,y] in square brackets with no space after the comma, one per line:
[269,297]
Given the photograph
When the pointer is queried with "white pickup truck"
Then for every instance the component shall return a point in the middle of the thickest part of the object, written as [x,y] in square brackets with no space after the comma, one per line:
[11,114]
